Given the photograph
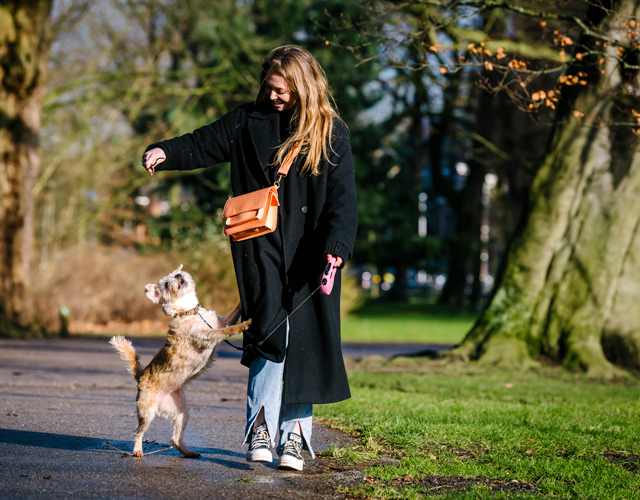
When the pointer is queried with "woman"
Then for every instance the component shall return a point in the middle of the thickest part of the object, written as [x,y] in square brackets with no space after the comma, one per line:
[278,272]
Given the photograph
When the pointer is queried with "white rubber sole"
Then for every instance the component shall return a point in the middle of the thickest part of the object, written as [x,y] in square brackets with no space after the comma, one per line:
[259,455]
[290,463]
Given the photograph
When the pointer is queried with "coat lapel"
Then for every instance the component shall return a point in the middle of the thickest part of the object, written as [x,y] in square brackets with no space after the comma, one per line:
[265,137]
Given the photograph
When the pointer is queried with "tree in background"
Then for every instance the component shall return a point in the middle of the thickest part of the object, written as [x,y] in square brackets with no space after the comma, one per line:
[569,277]
[24,44]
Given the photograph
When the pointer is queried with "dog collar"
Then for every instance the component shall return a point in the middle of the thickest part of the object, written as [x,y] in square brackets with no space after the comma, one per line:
[188,313]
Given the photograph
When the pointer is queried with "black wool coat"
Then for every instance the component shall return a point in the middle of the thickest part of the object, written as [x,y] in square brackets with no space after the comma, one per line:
[276,272]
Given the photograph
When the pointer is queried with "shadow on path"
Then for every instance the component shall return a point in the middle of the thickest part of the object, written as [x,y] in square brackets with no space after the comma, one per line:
[81,443]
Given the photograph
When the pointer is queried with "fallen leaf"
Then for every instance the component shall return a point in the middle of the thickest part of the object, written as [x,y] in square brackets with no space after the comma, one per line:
[406,479]
[529,451]
[70,387]
[432,456]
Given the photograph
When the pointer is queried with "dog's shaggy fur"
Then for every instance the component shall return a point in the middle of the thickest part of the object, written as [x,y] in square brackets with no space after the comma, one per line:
[187,352]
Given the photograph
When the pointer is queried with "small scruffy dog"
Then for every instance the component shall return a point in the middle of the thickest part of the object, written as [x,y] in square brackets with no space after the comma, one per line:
[187,352]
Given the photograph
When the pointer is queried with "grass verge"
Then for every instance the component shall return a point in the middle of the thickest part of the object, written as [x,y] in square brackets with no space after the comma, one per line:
[463,432]
[405,323]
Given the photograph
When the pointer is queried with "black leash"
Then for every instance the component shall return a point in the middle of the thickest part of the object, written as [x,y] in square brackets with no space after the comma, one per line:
[250,347]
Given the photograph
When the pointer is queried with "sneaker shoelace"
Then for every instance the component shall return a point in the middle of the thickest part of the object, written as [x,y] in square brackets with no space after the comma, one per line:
[292,447]
[260,439]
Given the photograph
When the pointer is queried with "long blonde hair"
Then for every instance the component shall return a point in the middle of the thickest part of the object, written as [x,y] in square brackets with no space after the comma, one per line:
[313,114]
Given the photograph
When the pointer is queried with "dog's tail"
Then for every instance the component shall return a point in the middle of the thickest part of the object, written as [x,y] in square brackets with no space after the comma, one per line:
[128,355]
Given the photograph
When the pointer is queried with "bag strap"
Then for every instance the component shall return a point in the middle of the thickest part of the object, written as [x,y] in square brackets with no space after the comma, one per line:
[289,159]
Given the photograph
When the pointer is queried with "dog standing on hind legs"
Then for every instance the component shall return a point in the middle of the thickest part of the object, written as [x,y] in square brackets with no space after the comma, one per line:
[187,352]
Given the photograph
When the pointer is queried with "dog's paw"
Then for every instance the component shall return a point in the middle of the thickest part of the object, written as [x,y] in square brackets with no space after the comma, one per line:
[246,324]
[137,453]
[192,454]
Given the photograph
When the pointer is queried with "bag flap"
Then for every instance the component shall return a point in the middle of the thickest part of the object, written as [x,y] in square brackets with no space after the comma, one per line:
[252,201]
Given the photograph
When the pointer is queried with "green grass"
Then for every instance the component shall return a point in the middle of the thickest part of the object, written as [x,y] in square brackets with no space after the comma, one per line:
[550,428]
[399,323]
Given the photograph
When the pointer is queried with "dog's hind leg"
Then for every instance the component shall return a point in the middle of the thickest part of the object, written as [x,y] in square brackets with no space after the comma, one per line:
[175,406]
[146,414]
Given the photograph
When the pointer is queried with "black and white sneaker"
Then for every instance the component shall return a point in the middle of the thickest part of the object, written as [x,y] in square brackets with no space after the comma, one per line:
[291,457]
[260,446]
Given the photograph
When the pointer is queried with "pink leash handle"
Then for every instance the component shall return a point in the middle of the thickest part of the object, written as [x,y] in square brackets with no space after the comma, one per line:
[328,275]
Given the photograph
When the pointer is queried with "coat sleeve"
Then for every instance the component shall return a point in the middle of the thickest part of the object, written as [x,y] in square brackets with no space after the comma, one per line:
[202,148]
[341,209]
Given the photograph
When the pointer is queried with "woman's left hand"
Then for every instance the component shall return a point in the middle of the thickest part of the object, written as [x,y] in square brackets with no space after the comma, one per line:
[338,261]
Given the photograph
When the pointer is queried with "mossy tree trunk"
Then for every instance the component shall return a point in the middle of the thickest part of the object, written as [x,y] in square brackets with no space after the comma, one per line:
[24,44]
[570,286]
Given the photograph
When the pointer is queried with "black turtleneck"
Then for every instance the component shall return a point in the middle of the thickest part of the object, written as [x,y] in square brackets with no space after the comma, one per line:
[285,133]
[285,124]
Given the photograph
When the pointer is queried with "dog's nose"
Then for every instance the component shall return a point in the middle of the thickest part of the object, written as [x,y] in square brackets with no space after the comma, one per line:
[178,276]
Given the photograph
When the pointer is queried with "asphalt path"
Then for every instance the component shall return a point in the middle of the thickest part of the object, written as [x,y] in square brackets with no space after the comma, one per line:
[68,417]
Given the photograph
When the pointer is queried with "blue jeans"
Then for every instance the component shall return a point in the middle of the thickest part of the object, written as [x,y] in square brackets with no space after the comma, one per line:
[264,390]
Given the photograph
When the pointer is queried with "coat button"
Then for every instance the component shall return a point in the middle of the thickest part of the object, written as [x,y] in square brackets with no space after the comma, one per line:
[304,210]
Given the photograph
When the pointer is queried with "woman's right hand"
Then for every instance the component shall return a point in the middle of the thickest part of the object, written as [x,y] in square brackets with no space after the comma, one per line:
[152,158]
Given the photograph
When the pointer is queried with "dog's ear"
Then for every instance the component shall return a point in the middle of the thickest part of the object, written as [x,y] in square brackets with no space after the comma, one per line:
[152,291]
[178,270]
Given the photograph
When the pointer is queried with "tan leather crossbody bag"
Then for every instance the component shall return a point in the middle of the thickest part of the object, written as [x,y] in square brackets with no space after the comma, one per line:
[256,213]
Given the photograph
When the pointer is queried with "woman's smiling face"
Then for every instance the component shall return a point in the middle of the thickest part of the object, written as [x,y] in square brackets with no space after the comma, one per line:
[278,92]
